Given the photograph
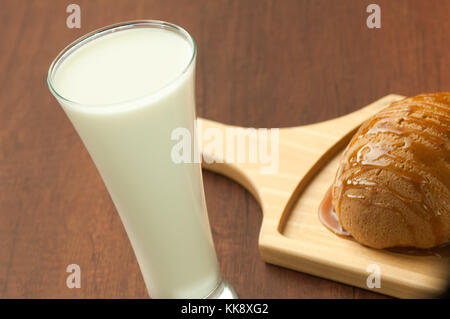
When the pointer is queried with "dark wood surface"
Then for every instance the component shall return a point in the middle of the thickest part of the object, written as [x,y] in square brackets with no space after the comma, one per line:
[260,63]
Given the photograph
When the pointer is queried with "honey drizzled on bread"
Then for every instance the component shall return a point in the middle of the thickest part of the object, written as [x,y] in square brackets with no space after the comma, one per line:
[392,187]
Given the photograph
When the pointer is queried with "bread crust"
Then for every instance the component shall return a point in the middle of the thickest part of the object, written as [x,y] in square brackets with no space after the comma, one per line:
[392,188]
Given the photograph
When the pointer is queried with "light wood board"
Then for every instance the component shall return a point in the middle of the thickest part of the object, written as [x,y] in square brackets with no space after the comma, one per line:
[291,234]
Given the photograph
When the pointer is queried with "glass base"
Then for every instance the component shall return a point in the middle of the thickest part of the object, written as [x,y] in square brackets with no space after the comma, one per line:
[223,291]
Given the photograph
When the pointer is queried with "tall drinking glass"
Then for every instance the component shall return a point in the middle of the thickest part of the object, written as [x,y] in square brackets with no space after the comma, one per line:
[126,88]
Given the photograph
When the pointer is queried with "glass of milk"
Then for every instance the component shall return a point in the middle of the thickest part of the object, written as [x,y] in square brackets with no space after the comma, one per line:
[125,88]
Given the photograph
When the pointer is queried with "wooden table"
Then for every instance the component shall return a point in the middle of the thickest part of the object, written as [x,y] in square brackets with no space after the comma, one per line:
[260,63]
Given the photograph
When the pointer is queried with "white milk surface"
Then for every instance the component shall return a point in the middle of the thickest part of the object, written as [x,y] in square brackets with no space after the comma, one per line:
[122,66]
[160,203]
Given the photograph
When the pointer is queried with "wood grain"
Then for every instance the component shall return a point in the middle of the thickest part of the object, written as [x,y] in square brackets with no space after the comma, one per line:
[261,63]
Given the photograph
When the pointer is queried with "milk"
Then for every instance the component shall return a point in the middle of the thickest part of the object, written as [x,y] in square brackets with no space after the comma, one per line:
[124,93]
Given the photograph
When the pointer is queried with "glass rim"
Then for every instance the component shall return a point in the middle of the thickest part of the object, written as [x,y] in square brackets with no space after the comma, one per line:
[98,33]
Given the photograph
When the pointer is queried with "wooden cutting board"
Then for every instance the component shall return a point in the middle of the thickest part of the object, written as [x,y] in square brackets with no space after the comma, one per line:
[291,234]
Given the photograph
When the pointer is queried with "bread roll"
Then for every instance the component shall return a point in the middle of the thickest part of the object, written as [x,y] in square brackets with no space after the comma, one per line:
[392,188]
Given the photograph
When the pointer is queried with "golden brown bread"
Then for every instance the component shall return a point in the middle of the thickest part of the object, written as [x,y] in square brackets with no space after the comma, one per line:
[393,185]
